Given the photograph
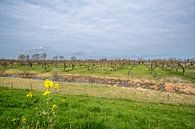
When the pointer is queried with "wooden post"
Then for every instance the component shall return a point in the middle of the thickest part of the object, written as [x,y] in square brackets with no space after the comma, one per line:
[126,92]
[86,91]
[31,86]
[12,85]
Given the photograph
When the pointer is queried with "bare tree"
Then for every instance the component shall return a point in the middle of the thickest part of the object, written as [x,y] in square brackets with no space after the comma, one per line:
[184,64]
[43,56]
[36,56]
[22,57]
[61,57]
[65,66]
[55,58]
[73,58]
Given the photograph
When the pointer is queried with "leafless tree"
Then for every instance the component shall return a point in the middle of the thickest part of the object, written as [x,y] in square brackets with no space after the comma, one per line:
[43,56]
[184,64]
[22,57]
[61,57]
[36,56]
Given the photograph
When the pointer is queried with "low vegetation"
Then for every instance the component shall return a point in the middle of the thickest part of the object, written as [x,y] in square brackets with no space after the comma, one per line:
[83,112]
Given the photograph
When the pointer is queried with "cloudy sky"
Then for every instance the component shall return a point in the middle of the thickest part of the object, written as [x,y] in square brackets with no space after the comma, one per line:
[98,28]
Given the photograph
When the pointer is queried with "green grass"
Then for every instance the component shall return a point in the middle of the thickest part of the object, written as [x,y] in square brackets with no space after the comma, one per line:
[140,71]
[83,112]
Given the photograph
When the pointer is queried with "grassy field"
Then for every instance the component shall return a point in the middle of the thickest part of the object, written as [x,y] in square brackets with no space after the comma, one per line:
[95,106]
[139,71]
[84,112]
[97,90]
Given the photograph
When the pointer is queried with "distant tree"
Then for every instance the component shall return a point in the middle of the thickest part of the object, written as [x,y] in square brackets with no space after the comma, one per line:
[55,58]
[153,64]
[184,64]
[43,56]
[27,57]
[61,57]
[36,56]
[22,57]
[73,58]
[72,65]
[65,66]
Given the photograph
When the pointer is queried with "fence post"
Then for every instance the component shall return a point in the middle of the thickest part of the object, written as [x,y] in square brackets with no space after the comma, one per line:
[31,86]
[12,85]
[86,91]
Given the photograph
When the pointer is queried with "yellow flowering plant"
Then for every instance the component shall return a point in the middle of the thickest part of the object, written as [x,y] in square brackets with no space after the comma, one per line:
[47,92]
[29,94]
[48,110]
[56,86]
[48,84]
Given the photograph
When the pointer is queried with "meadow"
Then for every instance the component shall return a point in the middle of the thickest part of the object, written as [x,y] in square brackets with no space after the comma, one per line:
[88,104]
[92,106]
[84,112]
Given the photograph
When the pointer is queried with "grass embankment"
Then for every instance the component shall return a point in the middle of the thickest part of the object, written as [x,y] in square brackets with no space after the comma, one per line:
[83,112]
[139,71]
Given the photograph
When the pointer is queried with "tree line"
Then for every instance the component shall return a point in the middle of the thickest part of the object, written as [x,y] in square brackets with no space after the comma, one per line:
[172,64]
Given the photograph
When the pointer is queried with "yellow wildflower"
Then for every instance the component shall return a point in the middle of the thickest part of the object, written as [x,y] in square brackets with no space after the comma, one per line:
[46,92]
[29,94]
[48,83]
[56,86]
[23,120]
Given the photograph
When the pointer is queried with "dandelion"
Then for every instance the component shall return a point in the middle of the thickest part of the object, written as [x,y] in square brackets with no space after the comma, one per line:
[29,94]
[56,86]
[46,92]
[23,120]
[48,83]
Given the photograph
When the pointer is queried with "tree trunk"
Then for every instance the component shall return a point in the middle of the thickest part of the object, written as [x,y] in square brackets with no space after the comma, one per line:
[183,71]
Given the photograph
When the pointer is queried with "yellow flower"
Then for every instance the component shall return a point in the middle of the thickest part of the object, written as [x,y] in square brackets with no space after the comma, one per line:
[54,107]
[48,83]
[23,120]
[56,86]
[46,92]
[29,94]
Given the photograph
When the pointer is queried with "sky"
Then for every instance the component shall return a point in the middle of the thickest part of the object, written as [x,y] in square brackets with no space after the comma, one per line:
[98,28]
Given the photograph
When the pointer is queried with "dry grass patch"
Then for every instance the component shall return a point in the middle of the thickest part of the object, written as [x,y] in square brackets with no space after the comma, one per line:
[106,91]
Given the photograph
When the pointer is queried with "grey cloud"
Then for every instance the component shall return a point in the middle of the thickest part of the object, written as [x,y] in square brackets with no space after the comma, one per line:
[146,25]
[78,53]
